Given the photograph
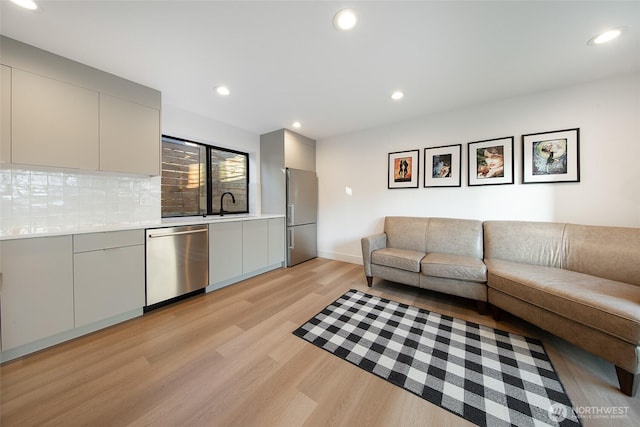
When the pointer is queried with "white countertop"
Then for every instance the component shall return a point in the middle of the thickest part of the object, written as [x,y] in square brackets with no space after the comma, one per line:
[101,228]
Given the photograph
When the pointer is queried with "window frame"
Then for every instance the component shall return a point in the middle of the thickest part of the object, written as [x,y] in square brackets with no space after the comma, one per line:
[209,180]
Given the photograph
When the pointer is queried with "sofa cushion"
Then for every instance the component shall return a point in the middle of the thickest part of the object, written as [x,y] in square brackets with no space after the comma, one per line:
[398,258]
[408,233]
[538,243]
[454,267]
[455,236]
[605,305]
[609,252]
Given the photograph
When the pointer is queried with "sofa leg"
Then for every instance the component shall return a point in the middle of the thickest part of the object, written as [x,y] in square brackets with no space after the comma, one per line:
[628,381]
[496,313]
[369,281]
[482,307]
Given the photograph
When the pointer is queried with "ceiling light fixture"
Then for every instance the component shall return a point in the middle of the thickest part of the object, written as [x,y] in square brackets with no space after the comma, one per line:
[397,95]
[606,36]
[27,4]
[345,19]
[296,125]
[222,90]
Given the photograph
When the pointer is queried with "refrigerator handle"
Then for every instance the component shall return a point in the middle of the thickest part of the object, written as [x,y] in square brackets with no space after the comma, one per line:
[290,213]
[290,238]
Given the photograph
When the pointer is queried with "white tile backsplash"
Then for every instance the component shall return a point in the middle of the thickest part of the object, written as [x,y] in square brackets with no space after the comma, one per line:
[40,200]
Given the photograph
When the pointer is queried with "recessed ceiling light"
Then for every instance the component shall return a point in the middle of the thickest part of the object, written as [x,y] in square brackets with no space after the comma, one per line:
[222,90]
[606,36]
[27,4]
[296,125]
[345,19]
[397,95]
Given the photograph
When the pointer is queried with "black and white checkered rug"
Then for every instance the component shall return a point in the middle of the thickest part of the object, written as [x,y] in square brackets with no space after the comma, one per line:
[487,376]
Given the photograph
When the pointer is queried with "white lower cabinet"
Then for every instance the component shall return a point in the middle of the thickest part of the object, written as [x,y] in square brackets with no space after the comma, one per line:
[255,245]
[37,289]
[108,272]
[225,251]
[241,249]
[53,289]
[276,241]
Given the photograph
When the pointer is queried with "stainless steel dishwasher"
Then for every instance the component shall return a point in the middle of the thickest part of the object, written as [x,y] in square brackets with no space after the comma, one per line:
[177,261]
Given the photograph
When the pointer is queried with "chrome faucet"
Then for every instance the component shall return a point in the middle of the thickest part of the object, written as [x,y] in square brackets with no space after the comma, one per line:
[233,199]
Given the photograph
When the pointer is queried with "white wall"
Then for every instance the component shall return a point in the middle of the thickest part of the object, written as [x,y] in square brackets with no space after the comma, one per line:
[607,113]
[183,124]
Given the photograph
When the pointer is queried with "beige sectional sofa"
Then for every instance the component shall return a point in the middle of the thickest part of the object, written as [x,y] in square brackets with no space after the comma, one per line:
[581,283]
[441,254]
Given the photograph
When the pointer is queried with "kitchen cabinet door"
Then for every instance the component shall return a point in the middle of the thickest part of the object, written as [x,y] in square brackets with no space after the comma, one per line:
[5,114]
[225,251]
[36,299]
[53,123]
[255,245]
[276,240]
[108,273]
[129,137]
[107,283]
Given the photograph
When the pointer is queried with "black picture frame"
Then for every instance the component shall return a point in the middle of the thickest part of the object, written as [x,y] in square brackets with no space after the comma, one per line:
[551,157]
[490,162]
[403,169]
[442,166]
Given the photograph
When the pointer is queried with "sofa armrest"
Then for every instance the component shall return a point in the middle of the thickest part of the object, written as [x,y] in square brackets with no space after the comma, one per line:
[370,244]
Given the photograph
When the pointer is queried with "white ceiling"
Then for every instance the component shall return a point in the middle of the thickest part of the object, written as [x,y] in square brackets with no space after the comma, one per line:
[283,61]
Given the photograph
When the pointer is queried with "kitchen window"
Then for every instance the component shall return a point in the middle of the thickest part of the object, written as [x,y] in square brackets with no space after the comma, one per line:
[195,176]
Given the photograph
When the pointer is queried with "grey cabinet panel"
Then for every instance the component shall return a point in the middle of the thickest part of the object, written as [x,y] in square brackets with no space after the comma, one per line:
[255,245]
[5,114]
[108,282]
[225,251]
[60,113]
[276,241]
[37,289]
[129,137]
[106,240]
[53,123]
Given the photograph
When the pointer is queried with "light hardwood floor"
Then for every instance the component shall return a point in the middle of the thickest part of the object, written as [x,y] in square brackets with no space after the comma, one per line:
[228,358]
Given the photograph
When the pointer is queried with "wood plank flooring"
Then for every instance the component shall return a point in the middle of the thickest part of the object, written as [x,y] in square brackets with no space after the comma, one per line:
[228,358]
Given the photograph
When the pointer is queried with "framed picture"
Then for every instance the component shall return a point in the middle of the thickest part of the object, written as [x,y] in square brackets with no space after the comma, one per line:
[491,161]
[551,156]
[403,169]
[442,166]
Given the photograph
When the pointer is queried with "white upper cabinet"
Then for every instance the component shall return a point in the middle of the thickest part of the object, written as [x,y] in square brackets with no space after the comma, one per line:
[129,137]
[61,113]
[53,123]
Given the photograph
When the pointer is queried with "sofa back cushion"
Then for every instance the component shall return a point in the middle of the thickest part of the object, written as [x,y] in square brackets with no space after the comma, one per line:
[609,252]
[406,233]
[538,243]
[455,237]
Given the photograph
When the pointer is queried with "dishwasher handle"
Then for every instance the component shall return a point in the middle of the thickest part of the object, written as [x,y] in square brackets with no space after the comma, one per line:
[176,233]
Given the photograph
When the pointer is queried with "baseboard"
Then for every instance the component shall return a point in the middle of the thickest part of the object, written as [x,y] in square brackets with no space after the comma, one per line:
[43,343]
[340,257]
[224,283]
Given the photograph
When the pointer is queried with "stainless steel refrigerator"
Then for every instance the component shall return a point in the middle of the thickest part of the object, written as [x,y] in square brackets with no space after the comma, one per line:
[302,213]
